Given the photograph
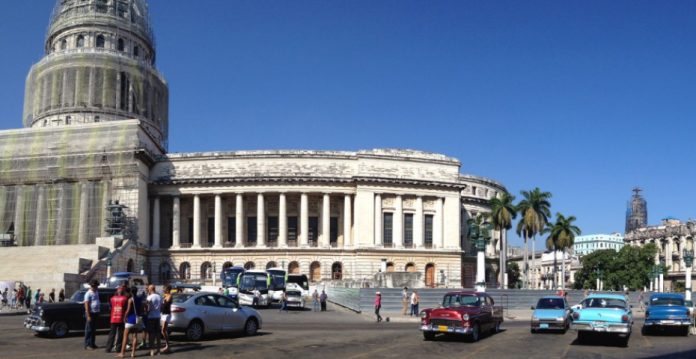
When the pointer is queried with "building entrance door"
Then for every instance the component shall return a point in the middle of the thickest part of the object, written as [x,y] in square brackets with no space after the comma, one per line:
[430,275]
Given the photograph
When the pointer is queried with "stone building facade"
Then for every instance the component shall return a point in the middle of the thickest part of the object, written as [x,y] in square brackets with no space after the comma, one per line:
[96,129]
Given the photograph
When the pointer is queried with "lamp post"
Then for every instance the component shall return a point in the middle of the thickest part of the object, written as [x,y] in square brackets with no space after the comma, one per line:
[661,273]
[688,262]
[481,235]
[214,271]
[109,256]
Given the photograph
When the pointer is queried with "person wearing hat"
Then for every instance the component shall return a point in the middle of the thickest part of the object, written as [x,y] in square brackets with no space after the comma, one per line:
[378,305]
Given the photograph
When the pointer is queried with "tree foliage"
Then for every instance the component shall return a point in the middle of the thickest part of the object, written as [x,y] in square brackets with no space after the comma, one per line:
[628,267]
[513,272]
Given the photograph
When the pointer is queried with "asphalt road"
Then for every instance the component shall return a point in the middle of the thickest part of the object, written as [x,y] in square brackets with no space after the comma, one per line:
[340,334]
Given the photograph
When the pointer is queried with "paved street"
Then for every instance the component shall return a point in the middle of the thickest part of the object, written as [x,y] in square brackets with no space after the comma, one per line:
[341,334]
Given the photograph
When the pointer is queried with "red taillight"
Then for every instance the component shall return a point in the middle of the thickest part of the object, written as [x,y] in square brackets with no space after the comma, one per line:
[624,318]
[176,309]
[576,315]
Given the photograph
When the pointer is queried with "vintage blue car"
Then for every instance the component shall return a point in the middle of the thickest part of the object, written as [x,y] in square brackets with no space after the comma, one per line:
[667,310]
[551,313]
[608,314]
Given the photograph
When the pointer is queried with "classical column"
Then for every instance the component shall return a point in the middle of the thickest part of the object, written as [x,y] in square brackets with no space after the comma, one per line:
[282,221]
[398,224]
[196,221]
[82,225]
[437,226]
[326,221]
[378,220]
[304,220]
[156,223]
[39,226]
[347,221]
[260,222]
[239,221]
[668,255]
[218,221]
[682,246]
[418,230]
[60,215]
[176,222]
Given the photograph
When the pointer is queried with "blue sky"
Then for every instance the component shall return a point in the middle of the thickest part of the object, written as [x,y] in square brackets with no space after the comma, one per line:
[584,99]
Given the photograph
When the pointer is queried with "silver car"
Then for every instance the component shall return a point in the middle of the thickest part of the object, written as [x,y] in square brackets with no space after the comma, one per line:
[198,313]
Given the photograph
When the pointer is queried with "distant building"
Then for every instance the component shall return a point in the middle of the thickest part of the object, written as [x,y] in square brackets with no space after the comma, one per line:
[637,212]
[592,242]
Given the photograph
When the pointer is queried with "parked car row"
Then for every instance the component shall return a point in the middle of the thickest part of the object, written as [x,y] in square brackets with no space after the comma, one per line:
[471,313]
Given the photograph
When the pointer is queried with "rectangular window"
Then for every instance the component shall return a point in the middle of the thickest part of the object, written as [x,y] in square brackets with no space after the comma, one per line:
[292,229]
[408,230]
[273,232]
[388,220]
[333,233]
[232,231]
[428,229]
[251,231]
[313,231]
[211,232]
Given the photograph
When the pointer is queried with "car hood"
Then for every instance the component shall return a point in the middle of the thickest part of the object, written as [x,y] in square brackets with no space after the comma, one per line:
[549,313]
[601,314]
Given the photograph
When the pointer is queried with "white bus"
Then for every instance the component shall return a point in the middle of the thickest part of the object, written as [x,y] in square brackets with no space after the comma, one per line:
[251,282]
[276,286]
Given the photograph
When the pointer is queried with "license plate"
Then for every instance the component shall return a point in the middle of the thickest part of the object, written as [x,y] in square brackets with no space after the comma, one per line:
[544,326]
[442,328]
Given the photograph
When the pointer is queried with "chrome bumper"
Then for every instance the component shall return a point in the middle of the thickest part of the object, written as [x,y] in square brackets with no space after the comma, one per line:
[667,322]
[623,328]
[36,324]
[548,325]
[445,329]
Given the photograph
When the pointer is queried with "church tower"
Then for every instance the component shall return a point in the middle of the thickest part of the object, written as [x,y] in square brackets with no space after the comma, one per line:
[637,212]
[99,66]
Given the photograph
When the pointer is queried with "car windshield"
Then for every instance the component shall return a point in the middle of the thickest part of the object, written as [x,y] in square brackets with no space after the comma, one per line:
[230,275]
[300,280]
[180,298]
[666,301]
[457,300]
[78,296]
[277,279]
[550,303]
[604,303]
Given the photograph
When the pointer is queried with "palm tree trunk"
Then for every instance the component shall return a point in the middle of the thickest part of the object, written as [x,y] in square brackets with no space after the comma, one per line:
[503,254]
[526,266]
[555,272]
[563,282]
[534,286]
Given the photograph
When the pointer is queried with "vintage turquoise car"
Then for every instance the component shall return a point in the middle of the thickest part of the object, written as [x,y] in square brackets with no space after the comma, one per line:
[551,313]
[605,314]
[667,311]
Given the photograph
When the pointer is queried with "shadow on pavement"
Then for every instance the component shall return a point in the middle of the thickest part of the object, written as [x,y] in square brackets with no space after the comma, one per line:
[605,340]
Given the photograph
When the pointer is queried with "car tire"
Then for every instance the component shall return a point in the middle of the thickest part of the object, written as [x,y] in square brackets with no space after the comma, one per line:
[251,327]
[533,331]
[195,330]
[428,336]
[475,333]
[59,329]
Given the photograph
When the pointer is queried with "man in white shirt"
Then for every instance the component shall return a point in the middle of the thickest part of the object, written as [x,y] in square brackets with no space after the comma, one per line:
[92,305]
[154,307]
[404,301]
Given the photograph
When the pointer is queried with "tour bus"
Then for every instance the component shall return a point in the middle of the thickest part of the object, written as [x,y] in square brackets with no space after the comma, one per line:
[298,282]
[277,283]
[254,280]
[230,278]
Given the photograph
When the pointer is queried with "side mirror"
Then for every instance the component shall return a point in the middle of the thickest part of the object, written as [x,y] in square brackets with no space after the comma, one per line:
[532,308]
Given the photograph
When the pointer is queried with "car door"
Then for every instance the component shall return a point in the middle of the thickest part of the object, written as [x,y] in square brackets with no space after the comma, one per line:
[209,311]
[486,312]
[104,319]
[234,317]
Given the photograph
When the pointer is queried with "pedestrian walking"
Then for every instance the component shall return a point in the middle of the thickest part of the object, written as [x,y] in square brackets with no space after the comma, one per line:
[378,306]
[13,300]
[315,301]
[257,298]
[27,298]
[118,309]
[154,314]
[20,296]
[61,295]
[415,299]
[132,324]
[322,300]
[166,316]
[404,301]
[37,296]
[284,302]
[91,304]
[640,300]
[3,299]
[52,296]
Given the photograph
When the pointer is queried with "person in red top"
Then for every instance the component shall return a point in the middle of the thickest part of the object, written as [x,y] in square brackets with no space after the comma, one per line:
[378,306]
[118,309]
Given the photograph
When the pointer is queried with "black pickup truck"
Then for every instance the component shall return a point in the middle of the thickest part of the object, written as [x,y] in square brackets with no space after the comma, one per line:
[58,319]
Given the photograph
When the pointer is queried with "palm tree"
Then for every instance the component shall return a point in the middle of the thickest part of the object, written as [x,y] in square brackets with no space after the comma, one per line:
[562,235]
[503,211]
[534,210]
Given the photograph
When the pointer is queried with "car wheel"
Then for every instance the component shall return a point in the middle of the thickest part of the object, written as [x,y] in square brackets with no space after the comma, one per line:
[428,336]
[475,332]
[59,329]
[195,331]
[533,331]
[251,327]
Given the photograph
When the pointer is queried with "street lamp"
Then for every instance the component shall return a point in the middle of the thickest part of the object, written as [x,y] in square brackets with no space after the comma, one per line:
[481,235]
[109,257]
[214,271]
[688,262]
[661,274]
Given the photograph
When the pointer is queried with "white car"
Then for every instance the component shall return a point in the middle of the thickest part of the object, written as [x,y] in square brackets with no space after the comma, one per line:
[295,299]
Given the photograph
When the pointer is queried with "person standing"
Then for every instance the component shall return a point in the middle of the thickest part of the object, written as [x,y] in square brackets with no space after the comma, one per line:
[404,301]
[322,300]
[52,296]
[378,306]
[166,316]
[37,296]
[315,301]
[414,303]
[92,304]
[27,298]
[154,310]
[118,309]
[61,295]
[20,297]
[284,302]
[131,324]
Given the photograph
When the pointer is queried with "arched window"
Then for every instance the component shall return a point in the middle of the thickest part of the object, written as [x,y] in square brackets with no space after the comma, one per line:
[337,271]
[271,264]
[165,272]
[293,268]
[410,267]
[314,272]
[226,265]
[206,271]
[121,45]
[63,44]
[136,51]
[130,266]
[185,270]
[100,41]
[249,265]
[390,266]
[80,41]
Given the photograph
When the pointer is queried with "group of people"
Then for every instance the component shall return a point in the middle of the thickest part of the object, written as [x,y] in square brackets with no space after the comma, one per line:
[131,313]
[24,298]
[319,300]
[410,302]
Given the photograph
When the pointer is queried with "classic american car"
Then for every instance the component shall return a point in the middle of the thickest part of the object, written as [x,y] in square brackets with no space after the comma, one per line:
[462,313]
[608,314]
[551,313]
[667,311]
